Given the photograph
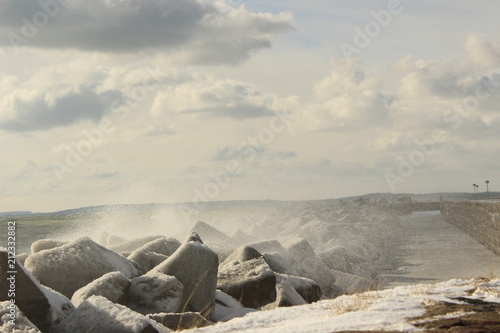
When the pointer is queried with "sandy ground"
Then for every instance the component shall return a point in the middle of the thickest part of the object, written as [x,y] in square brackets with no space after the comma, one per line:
[429,250]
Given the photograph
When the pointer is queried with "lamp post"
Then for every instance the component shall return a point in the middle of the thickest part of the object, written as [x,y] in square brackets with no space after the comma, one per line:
[487,189]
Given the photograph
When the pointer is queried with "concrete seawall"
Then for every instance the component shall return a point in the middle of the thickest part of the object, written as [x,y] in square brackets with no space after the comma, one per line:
[479,219]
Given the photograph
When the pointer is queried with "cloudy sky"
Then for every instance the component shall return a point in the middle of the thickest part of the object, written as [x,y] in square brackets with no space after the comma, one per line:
[128,101]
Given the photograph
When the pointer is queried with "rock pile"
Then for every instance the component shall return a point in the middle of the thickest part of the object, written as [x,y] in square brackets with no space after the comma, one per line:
[81,286]
[158,284]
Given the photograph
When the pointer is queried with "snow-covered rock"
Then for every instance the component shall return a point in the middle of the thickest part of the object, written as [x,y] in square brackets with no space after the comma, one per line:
[180,321]
[336,258]
[271,246]
[227,308]
[114,286]
[155,293]
[309,290]
[309,265]
[45,244]
[286,295]
[43,306]
[252,282]
[21,257]
[69,267]
[98,314]
[279,265]
[195,265]
[146,259]
[12,320]
[215,239]
[153,253]
[241,254]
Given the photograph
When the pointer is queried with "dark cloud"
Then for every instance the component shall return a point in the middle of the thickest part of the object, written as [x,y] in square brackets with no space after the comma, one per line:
[43,111]
[235,112]
[199,31]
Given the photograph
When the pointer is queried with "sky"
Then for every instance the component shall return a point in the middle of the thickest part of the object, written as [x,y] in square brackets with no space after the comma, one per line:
[127,101]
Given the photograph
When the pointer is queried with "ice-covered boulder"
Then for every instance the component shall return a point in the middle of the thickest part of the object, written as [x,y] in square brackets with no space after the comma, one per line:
[98,314]
[43,306]
[241,254]
[45,244]
[252,282]
[195,265]
[308,289]
[12,320]
[146,259]
[215,239]
[155,293]
[153,253]
[180,321]
[308,264]
[21,257]
[271,246]
[286,295]
[69,267]
[114,286]
[279,265]
[227,308]
[336,258]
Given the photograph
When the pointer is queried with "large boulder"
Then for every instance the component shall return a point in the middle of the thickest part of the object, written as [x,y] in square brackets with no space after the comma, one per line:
[309,290]
[12,320]
[69,267]
[180,321]
[241,254]
[114,286]
[252,282]
[294,290]
[155,293]
[227,308]
[146,259]
[44,307]
[271,246]
[286,295]
[218,241]
[279,265]
[21,257]
[308,264]
[195,265]
[336,258]
[45,244]
[98,314]
[153,253]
